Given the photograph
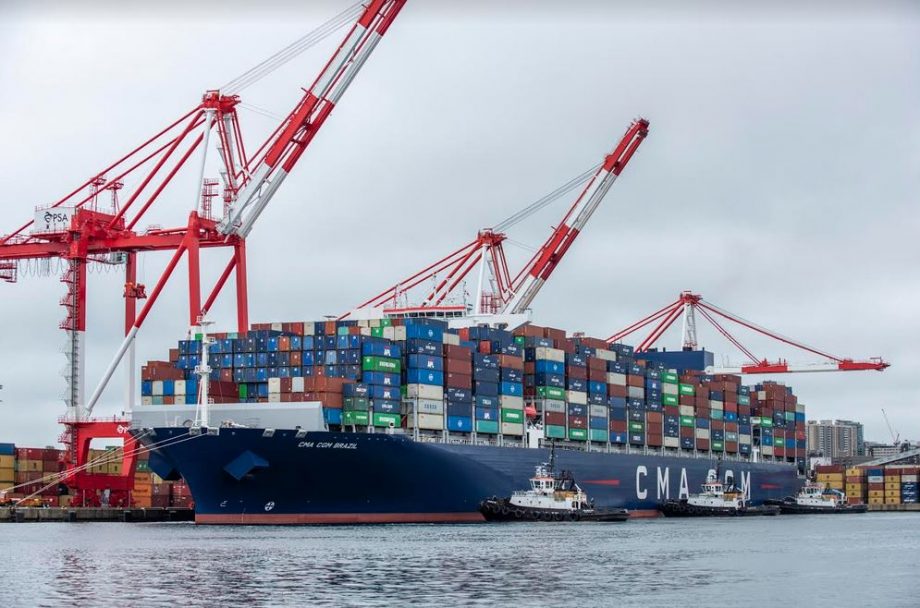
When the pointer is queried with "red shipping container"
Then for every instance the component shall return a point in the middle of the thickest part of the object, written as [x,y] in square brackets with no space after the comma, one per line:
[619,426]
[452,380]
[636,381]
[717,425]
[599,365]
[615,390]
[577,373]
[554,418]
[28,453]
[654,417]
[654,441]
[284,344]
[653,428]
[173,355]
[296,358]
[511,362]
[687,432]
[597,375]
[686,400]
[731,447]
[461,353]
[286,385]
[458,366]
[578,422]
[485,347]
[702,444]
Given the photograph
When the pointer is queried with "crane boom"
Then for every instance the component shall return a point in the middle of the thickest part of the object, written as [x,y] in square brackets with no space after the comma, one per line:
[288,143]
[531,279]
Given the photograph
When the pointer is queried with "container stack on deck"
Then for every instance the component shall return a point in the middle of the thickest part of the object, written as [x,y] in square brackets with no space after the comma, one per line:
[485,383]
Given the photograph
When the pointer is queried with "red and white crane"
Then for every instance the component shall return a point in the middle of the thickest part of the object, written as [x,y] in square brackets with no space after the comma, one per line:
[506,299]
[81,230]
[688,304]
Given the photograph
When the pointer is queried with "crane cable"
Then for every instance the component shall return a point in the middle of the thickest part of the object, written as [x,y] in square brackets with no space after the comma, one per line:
[272,63]
[526,212]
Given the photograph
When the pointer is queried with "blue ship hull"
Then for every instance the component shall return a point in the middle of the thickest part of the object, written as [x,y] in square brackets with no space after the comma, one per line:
[241,476]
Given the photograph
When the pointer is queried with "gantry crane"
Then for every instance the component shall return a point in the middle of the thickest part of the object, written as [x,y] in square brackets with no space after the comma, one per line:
[689,303]
[506,299]
[80,230]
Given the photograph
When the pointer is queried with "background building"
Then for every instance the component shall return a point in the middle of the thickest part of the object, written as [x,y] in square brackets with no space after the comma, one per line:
[835,438]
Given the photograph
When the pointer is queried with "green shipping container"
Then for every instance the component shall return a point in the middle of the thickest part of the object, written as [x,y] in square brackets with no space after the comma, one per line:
[381,419]
[744,400]
[143,466]
[766,422]
[669,378]
[779,442]
[717,446]
[370,363]
[377,332]
[356,418]
[386,322]
[687,421]
[244,391]
[554,431]
[686,389]
[715,414]
[790,416]
[358,404]
[342,331]
[578,434]
[487,426]
[636,427]
[669,400]
[598,435]
[519,340]
[516,416]
[550,392]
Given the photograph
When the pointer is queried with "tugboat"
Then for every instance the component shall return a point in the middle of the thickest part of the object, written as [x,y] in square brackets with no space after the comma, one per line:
[715,500]
[552,497]
[816,498]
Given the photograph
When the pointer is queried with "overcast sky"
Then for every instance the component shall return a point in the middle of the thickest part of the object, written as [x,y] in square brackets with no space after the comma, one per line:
[780,177]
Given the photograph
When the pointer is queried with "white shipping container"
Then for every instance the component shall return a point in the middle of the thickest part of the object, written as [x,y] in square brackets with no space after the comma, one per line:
[579,397]
[425,391]
[158,388]
[274,397]
[616,378]
[766,450]
[427,421]
[510,402]
[146,400]
[599,411]
[426,406]
[274,385]
[876,479]
[800,407]
[550,354]
[308,329]
[297,384]
[685,410]
[669,389]
[276,327]
[744,439]
[179,387]
[702,433]
[716,405]
[389,333]
[635,392]
[605,355]
[452,339]
[399,333]
[512,428]
[553,405]
[672,442]
[365,331]
[909,478]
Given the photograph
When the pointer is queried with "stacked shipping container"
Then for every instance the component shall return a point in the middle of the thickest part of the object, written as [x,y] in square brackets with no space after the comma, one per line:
[416,372]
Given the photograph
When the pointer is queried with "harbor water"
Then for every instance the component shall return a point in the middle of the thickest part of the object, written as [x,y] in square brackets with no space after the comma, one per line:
[862,560]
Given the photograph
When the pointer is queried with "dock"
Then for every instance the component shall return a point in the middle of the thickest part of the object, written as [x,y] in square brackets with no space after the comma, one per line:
[90,514]
[911,506]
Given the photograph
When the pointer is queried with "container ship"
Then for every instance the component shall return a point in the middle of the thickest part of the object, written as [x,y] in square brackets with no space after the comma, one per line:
[410,420]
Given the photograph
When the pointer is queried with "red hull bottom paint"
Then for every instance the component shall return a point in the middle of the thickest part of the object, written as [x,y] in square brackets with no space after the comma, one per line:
[270,519]
[644,513]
